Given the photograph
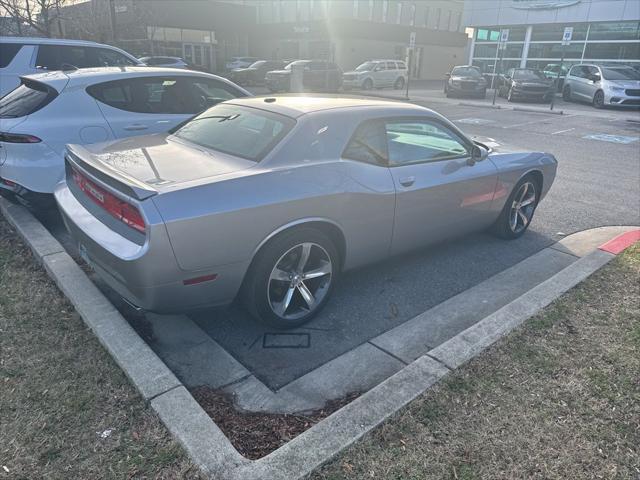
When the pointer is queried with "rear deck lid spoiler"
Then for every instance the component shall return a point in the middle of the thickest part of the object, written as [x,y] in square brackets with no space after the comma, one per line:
[79,157]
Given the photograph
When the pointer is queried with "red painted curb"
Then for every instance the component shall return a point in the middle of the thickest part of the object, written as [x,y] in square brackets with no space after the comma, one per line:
[621,242]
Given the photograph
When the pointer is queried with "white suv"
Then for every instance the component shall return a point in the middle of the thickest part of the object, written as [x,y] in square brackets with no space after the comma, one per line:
[603,85]
[92,105]
[376,74]
[24,56]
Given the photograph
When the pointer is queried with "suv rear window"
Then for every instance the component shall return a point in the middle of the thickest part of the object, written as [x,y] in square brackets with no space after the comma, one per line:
[59,57]
[243,132]
[27,98]
[7,53]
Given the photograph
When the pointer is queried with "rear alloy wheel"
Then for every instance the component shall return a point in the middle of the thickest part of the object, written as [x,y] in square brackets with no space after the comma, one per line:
[598,99]
[367,84]
[518,211]
[399,85]
[292,278]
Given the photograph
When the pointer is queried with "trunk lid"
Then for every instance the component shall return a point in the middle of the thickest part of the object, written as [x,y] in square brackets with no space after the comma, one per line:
[152,163]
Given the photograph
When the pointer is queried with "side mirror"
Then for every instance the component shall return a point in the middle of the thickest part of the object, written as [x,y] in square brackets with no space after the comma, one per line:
[478,154]
[595,78]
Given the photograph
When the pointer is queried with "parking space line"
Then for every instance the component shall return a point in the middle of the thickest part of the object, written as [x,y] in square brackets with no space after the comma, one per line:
[563,131]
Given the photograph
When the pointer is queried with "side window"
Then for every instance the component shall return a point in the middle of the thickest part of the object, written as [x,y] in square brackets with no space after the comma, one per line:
[419,141]
[70,55]
[8,51]
[402,65]
[208,92]
[391,65]
[368,144]
[163,95]
[317,66]
[48,57]
[105,57]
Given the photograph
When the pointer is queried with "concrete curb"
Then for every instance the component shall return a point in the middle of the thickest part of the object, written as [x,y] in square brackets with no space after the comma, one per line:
[537,110]
[199,435]
[480,105]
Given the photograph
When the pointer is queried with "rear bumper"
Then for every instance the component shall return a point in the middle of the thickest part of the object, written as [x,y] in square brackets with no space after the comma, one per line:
[147,275]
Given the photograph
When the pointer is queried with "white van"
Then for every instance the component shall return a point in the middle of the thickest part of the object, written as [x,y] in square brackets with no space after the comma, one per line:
[24,56]
[376,74]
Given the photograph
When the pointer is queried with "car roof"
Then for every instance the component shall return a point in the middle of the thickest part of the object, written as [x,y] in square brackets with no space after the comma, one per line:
[90,76]
[297,105]
[51,41]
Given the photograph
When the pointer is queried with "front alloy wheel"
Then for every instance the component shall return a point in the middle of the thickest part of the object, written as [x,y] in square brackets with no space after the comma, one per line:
[518,210]
[598,99]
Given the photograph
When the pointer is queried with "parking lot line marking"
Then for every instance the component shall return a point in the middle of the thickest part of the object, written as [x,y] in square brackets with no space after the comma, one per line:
[474,121]
[604,137]
[528,123]
[562,131]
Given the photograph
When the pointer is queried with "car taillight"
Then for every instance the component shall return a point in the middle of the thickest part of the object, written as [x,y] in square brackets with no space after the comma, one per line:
[18,138]
[117,208]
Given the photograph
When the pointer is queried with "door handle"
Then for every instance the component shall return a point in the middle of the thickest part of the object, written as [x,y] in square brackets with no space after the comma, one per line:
[135,126]
[407,181]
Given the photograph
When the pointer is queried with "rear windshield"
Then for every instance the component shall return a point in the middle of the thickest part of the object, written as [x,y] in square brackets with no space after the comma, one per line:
[27,98]
[8,52]
[244,132]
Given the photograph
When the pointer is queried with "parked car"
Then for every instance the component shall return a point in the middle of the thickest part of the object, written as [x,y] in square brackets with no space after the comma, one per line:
[255,73]
[274,197]
[25,56]
[525,84]
[603,85]
[169,62]
[240,62]
[318,75]
[465,80]
[47,111]
[376,74]
[557,73]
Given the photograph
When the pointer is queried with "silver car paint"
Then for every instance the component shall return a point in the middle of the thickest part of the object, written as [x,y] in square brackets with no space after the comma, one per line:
[213,215]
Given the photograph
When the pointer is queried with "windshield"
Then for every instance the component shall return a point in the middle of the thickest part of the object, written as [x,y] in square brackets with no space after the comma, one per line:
[528,75]
[297,62]
[620,74]
[466,72]
[365,67]
[244,132]
[257,64]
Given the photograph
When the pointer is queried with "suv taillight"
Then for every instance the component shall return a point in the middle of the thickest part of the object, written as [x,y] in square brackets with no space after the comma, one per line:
[18,138]
[117,208]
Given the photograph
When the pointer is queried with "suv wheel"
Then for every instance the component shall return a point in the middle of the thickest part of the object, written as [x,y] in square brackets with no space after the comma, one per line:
[399,83]
[566,93]
[598,99]
[367,84]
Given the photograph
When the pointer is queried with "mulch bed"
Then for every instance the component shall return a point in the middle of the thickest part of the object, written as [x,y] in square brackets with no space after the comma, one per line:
[255,435]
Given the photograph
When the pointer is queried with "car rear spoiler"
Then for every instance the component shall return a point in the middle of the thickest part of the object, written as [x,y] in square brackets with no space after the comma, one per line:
[78,157]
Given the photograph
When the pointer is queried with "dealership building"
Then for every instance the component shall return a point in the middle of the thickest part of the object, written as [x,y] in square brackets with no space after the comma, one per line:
[604,31]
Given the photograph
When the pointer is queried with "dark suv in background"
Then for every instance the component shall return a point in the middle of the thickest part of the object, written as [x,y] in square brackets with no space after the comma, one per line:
[525,84]
[317,76]
[465,80]
[255,73]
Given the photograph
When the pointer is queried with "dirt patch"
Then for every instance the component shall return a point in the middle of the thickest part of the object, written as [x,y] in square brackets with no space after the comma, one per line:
[255,435]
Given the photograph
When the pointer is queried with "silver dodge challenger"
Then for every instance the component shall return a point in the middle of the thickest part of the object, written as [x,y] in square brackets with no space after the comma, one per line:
[270,199]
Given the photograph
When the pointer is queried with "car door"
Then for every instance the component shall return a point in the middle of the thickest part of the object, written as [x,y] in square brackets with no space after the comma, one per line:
[143,105]
[580,88]
[440,192]
[390,73]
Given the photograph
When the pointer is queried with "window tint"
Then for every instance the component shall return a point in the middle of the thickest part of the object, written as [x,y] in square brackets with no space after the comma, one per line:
[391,65]
[466,72]
[105,57]
[27,98]
[402,65]
[208,92]
[368,144]
[244,132]
[420,141]
[147,95]
[7,53]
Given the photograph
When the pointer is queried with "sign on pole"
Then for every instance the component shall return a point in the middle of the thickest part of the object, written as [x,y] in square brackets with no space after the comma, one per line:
[412,40]
[566,36]
[504,38]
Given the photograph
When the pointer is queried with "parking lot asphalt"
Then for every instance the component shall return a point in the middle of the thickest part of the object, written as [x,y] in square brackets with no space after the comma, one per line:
[598,183]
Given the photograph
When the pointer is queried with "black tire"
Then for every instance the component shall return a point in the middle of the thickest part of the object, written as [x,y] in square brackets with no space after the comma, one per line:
[598,99]
[566,93]
[399,85]
[255,291]
[502,227]
[445,87]
[367,84]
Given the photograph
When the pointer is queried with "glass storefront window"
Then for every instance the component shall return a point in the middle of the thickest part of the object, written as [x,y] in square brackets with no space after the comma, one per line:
[550,32]
[492,34]
[613,51]
[554,50]
[487,51]
[615,31]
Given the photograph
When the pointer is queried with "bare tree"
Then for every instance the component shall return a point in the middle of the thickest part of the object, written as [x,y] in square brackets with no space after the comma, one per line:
[42,16]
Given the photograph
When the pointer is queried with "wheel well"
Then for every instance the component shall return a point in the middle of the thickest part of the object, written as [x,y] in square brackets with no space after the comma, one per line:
[329,229]
[537,177]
